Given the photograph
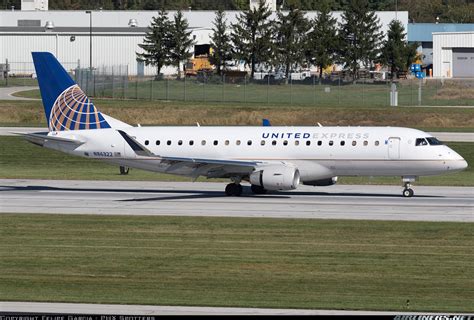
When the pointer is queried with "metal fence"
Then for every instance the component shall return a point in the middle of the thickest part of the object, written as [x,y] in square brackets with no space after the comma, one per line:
[335,91]
[22,73]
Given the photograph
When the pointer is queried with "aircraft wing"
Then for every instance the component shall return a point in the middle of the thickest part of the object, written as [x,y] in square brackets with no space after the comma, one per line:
[214,168]
[40,138]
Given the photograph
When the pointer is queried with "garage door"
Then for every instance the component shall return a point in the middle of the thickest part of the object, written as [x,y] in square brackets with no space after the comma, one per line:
[463,62]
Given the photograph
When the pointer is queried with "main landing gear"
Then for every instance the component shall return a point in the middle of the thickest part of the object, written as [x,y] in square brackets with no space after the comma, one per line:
[258,189]
[124,170]
[234,189]
[408,191]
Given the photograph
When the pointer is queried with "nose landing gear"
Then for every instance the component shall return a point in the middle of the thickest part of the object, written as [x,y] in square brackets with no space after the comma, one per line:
[408,191]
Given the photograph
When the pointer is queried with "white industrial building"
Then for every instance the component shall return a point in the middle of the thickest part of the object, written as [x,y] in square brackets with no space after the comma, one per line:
[453,54]
[115,35]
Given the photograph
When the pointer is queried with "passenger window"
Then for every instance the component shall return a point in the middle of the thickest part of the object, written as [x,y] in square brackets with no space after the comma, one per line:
[157,142]
[377,143]
[216,142]
[366,143]
[249,143]
[285,142]
[237,142]
[320,143]
[297,143]
[227,142]
[168,142]
[191,142]
[180,142]
[421,142]
[203,142]
[274,143]
[308,143]
[331,142]
[147,142]
[262,142]
[354,143]
[343,142]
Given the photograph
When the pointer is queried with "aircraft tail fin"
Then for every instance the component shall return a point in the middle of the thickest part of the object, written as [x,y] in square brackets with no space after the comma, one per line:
[66,106]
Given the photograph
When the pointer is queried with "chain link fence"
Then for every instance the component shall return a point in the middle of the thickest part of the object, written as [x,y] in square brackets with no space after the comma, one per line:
[22,73]
[336,90]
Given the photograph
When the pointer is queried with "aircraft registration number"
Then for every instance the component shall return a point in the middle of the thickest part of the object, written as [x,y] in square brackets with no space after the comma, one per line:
[102,154]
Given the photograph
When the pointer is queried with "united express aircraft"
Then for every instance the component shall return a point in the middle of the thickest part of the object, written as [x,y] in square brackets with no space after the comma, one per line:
[267,157]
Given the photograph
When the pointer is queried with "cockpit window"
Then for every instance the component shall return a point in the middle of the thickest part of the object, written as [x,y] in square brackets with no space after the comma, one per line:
[421,142]
[433,141]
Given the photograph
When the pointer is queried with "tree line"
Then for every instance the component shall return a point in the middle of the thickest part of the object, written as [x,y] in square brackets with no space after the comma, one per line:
[288,43]
[443,11]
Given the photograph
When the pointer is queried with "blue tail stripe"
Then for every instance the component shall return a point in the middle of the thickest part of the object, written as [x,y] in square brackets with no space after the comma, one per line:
[62,96]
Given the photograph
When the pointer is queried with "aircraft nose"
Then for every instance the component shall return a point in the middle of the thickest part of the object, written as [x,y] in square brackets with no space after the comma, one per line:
[458,165]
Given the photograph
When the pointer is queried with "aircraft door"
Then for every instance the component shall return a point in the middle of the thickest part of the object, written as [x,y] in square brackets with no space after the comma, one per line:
[394,148]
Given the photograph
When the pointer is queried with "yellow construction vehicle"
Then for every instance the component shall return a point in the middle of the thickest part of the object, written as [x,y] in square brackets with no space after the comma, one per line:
[200,62]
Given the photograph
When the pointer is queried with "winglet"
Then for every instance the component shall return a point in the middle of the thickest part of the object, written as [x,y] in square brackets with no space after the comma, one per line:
[136,146]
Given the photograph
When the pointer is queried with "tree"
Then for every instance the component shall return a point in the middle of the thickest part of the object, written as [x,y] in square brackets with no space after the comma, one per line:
[359,36]
[156,43]
[395,51]
[181,41]
[290,30]
[220,42]
[251,36]
[323,42]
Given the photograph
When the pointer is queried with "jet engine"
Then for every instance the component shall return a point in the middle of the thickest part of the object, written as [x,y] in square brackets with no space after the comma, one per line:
[321,182]
[277,177]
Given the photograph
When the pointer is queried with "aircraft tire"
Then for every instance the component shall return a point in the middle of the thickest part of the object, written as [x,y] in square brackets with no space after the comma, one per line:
[408,193]
[233,190]
[258,189]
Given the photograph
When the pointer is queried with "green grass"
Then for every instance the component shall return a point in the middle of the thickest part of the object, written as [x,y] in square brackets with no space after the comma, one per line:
[19,113]
[20,159]
[330,95]
[19,81]
[237,262]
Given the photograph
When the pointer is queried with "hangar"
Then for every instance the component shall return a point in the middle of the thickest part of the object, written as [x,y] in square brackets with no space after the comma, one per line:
[115,35]
[453,54]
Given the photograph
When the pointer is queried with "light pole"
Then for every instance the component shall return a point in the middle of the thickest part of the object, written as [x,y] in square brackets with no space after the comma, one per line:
[90,39]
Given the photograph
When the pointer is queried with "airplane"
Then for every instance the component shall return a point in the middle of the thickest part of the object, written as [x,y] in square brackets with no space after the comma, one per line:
[267,157]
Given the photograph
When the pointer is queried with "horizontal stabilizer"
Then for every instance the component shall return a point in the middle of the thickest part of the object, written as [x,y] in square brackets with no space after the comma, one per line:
[40,138]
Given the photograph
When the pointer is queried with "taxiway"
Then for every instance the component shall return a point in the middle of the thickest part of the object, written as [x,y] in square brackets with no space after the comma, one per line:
[365,202]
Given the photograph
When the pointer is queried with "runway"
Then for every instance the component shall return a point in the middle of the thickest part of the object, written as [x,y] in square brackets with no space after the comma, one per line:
[147,310]
[365,202]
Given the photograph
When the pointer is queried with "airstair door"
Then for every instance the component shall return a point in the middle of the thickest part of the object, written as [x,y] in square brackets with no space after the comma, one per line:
[394,148]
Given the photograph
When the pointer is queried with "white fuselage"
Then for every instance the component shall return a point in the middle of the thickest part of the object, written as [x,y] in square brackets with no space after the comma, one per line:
[317,152]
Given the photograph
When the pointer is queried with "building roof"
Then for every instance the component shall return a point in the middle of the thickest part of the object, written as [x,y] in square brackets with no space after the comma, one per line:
[423,32]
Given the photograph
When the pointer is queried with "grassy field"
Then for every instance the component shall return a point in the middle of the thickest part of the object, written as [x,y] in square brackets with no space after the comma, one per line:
[24,113]
[238,262]
[20,159]
[434,93]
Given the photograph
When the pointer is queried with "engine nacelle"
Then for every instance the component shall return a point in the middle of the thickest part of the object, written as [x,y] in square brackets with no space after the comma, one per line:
[276,177]
[321,182]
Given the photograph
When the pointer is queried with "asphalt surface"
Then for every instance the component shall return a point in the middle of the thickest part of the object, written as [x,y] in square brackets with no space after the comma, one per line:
[6,93]
[364,202]
[145,310]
